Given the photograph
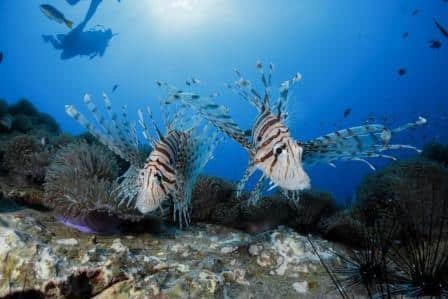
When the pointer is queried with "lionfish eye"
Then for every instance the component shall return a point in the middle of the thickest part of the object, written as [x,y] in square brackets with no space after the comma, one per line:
[279,149]
[259,138]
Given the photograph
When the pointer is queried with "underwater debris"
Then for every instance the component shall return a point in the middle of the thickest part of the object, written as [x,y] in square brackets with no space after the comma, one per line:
[55,15]
[114,87]
[435,44]
[1,57]
[271,148]
[402,71]
[170,170]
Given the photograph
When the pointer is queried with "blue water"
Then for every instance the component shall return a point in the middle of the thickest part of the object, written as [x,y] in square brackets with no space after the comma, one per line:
[348,52]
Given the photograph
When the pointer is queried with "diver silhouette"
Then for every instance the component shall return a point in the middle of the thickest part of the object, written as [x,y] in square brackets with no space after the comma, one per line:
[77,42]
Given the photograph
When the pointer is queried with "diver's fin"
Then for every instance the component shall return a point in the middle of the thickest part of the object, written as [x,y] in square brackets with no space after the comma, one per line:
[355,144]
[216,114]
[69,23]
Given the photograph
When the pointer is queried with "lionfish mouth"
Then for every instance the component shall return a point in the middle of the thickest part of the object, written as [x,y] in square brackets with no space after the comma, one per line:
[299,181]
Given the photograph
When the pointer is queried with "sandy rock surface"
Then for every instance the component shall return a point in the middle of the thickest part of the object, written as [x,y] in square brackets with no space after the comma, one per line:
[204,261]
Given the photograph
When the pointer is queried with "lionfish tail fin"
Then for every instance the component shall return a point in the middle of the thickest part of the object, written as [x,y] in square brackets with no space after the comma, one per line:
[216,114]
[121,138]
[356,144]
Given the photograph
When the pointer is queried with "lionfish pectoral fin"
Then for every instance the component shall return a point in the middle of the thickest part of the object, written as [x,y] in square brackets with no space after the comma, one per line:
[255,194]
[293,196]
[247,174]
[356,144]
[182,207]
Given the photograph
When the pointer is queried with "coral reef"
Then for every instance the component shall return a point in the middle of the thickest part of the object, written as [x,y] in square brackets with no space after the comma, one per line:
[25,118]
[24,158]
[401,212]
[214,201]
[79,186]
[312,208]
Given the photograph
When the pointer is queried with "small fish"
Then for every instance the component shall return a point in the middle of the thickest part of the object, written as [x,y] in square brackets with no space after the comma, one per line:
[405,34]
[441,28]
[402,71]
[114,87]
[347,112]
[435,44]
[195,81]
[1,57]
[415,12]
[53,14]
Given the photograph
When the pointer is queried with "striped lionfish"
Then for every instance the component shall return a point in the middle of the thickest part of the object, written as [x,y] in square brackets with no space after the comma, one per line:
[273,150]
[172,167]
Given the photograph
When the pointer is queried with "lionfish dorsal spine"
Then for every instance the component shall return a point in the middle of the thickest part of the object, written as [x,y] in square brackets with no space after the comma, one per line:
[214,113]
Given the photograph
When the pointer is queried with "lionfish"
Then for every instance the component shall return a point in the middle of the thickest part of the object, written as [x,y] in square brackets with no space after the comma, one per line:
[269,143]
[168,174]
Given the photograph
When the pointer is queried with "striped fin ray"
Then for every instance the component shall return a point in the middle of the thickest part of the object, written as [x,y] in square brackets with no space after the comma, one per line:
[282,102]
[175,115]
[355,144]
[255,194]
[216,114]
[145,129]
[103,138]
[250,170]
[128,187]
[266,82]
[244,88]
[120,130]
[107,131]
[197,152]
